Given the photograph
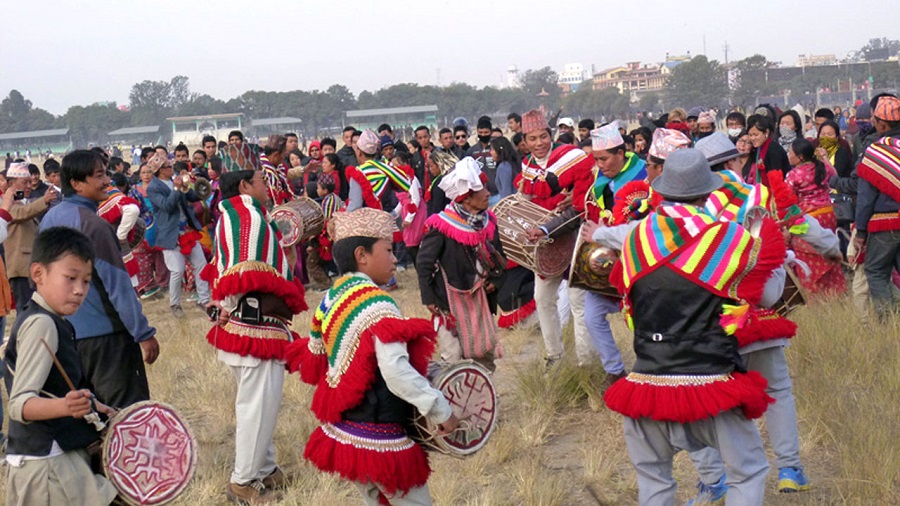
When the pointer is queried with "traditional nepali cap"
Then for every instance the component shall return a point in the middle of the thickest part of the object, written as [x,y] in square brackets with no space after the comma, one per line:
[707,117]
[569,122]
[364,222]
[666,141]
[464,178]
[606,137]
[686,175]
[695,112]
[156,161]
[717,148]
[17,170]
[368,142]
[386,141]
[534,120]
[888,109]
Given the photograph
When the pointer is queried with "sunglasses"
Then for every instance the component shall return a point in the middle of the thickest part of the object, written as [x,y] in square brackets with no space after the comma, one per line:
[461,136]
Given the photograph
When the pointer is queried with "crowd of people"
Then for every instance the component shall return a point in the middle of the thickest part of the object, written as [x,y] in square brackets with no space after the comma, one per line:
[710,226]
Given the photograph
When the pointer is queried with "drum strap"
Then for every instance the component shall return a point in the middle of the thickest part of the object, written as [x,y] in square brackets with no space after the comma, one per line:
[474,322]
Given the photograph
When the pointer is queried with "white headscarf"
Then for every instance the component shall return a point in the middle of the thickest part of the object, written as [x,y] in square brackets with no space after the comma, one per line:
[465,177]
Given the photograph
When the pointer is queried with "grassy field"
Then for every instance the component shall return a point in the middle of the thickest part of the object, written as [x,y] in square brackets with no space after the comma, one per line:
[556,444]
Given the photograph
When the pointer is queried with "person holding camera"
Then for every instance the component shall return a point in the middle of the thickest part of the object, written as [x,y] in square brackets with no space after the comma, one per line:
[254,300]
[26,214]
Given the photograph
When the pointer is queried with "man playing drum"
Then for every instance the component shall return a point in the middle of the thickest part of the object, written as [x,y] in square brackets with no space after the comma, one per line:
[368,363]
[458,267]
[547,170]
[254,288]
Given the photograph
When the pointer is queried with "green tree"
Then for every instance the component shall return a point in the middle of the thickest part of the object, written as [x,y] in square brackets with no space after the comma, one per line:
[541,80]
[90,124]
[751,80]
[590,103]
[877,49]
[650,102]
[697,82]
[152,101]
[17,114]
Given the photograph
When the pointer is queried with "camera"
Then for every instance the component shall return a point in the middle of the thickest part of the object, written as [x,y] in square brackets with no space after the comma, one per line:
[19,195]
[213,313]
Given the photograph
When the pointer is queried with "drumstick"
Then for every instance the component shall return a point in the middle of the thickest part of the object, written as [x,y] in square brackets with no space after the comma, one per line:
[59,366]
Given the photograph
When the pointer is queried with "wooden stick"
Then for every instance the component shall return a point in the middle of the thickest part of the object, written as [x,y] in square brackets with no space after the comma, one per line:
[59,366]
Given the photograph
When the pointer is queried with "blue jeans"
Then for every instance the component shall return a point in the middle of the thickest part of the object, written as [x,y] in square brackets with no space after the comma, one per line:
[596,308]
[882,257]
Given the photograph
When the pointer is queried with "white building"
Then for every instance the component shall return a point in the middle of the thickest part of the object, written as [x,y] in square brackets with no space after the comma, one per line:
[816,60]
[511,78]
[572,74]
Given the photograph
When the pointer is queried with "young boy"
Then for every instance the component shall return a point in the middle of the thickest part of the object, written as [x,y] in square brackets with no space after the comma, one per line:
[368,365]
[48,435]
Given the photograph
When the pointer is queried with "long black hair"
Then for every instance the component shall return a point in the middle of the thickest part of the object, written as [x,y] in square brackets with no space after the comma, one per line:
[807,153]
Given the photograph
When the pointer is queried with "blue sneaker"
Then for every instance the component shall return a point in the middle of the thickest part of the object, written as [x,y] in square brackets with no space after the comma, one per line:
[710,494]
[792,479]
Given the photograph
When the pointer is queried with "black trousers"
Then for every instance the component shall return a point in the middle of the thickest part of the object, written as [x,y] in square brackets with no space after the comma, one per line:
[21,291]
[114,365]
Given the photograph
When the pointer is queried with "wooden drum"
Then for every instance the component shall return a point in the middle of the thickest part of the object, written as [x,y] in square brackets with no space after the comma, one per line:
[298,220]
[547,257]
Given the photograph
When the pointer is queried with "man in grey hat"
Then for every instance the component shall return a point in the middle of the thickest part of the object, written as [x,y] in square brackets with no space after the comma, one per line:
[720,152]
[670,308]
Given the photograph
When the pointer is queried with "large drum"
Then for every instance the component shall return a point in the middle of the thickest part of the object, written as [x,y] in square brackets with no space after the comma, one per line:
[546,257]
[149,454]
[591,266]
[792,296]
[136,235]
[468,387]
[298,220]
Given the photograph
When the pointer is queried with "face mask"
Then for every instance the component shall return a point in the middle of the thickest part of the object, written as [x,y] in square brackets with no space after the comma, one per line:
[828,142]
[484,139]
[734,132]
[787,131]
[701,135]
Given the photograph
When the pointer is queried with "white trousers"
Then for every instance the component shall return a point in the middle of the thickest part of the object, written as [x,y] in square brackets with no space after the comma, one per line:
[256,407]
[175,263]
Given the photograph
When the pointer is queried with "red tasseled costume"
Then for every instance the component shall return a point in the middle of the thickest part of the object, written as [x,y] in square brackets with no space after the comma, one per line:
[686,404]
[292,292]
[368,194]
[510,319]
[764,325]
[397,472]
[261,348]
[770,257]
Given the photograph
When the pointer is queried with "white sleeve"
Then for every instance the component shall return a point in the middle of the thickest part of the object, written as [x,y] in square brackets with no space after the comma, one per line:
[774,288]
[823,240]
[406,383]
[130,215]
[614,237]
[4,230]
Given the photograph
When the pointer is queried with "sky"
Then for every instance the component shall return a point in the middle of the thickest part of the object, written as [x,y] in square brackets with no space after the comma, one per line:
[60,53]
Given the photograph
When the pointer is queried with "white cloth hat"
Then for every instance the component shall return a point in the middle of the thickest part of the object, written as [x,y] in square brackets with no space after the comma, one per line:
[606,137]
[465,177]
[569,122]
[17,170]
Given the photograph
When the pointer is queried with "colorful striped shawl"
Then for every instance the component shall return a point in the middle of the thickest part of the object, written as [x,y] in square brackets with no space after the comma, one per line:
[714,254]
[380,174]
[352,305]
[735,198]
[245,233]
[880,166]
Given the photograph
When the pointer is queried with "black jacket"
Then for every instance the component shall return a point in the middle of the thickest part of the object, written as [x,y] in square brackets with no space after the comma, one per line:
[438,252]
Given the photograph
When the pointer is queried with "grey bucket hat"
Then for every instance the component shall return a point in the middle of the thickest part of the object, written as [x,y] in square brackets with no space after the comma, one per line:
[717,148]
[686,175]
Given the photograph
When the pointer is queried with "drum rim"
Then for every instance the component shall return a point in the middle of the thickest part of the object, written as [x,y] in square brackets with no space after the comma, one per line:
[124,412]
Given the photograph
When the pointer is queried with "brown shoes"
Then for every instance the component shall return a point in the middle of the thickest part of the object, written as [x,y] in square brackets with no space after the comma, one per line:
[255,492]
[277,480]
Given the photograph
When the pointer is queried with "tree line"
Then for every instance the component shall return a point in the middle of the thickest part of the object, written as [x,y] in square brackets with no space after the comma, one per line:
[700,81]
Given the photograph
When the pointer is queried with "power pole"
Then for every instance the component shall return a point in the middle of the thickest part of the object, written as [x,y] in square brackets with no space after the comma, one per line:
[726,48]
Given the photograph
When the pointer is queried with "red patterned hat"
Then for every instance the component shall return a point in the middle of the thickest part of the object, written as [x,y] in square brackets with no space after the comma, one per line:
[534,120]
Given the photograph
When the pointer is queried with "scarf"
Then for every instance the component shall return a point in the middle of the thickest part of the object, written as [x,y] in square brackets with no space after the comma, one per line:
[635,169]
[830,145]
[757,173]
[865,127]
[788,136]
[280,189]
[571,168]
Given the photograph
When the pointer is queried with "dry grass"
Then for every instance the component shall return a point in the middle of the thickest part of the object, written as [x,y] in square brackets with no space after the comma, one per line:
[550,447]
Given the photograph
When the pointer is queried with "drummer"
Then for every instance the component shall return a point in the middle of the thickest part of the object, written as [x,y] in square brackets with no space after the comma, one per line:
[48,435]
[368,366]
[546,171]
[459,265]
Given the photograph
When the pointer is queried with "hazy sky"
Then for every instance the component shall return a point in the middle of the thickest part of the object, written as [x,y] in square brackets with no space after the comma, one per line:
[68,52]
